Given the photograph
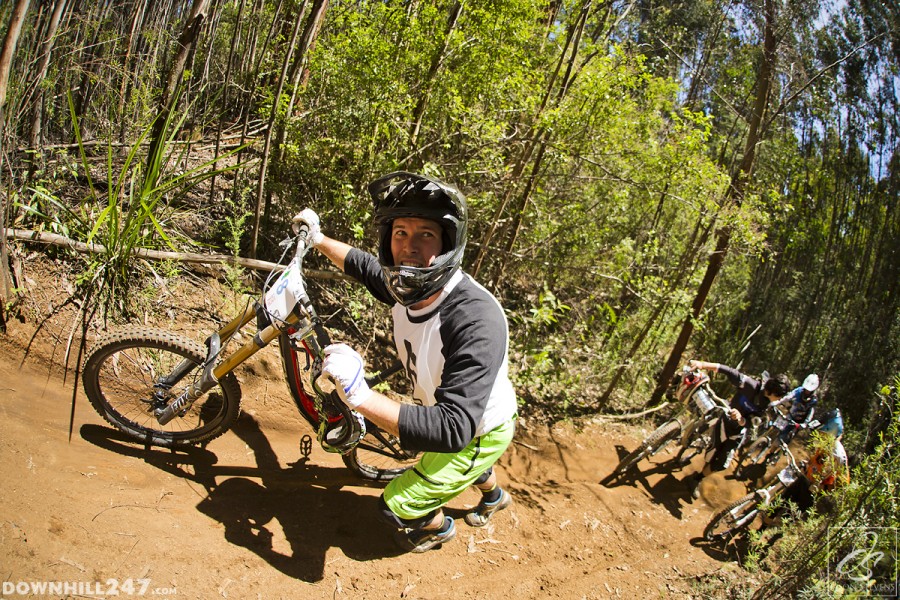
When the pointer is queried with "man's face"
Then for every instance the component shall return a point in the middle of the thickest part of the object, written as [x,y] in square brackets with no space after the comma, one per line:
[415,242]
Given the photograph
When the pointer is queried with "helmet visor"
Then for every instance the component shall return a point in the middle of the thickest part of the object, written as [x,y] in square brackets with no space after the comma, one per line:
[404,194]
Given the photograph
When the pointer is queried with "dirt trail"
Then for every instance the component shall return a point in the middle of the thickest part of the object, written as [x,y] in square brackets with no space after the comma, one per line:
[249,517]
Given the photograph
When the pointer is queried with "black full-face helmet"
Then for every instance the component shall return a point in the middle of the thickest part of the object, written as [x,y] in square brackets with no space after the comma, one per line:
[401,194]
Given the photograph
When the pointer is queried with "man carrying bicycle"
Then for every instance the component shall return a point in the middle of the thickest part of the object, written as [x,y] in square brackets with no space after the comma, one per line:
[453,339]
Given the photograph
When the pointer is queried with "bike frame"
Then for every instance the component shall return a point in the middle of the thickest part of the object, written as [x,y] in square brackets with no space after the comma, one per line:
[739,515]
[696,421]
[300,324]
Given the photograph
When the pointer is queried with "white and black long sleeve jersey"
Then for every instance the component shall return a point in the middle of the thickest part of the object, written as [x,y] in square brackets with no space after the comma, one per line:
[455,353]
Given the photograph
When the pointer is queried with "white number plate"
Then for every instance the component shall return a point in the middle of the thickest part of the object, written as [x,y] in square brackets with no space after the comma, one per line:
[787,475]
[286,292]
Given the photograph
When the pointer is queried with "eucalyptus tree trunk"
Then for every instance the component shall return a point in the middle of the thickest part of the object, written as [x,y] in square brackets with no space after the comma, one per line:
[298,75]
[250,68]
[90,61]
[270,131]
[436,62]
[535,141]
[185,43]
[43,64]
[540,141]
[698,240]
[225,85]
[6,56]
[132,71]
[735,194]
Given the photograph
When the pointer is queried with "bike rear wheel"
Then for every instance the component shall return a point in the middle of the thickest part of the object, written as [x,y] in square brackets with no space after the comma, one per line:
[732,519]
[378,456]
[758,452]
[122,378]
[651,445]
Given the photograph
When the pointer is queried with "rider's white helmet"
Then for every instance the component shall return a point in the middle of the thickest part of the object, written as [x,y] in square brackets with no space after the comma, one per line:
[811,383]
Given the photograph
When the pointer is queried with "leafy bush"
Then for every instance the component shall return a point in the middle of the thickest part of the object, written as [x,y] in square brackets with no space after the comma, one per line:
[848,547]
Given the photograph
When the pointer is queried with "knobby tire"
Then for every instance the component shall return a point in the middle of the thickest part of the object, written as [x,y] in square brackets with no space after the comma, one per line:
[732,519]
[378,457]
[651,445]
[119,376]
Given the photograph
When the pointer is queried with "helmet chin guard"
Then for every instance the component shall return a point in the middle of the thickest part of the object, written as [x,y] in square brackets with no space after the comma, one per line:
[403,194]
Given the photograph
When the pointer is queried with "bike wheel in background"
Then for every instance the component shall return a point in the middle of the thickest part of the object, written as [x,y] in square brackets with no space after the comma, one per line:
[378,456]
[651,445]
[733,519]
[122,376]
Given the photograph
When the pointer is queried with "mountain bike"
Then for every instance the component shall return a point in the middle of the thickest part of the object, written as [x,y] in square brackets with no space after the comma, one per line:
[164,389]
[693,423]
[765,450]
[740,514]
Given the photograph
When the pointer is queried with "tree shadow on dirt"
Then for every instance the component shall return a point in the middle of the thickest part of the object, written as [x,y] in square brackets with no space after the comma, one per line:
[309,503]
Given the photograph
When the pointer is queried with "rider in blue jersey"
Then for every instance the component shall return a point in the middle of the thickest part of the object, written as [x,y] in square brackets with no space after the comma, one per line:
[802,402]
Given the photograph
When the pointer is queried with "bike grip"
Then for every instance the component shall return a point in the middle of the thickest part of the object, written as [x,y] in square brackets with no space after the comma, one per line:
[322,336]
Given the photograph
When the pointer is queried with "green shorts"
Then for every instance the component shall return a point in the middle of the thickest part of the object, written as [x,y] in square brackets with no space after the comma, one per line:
[440,477]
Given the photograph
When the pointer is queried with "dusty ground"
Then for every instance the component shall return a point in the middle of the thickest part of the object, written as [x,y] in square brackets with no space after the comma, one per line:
[248,517]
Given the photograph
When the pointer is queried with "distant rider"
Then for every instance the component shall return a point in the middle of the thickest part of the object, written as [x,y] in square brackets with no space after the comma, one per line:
[803,402]
[751,395]
[825,470]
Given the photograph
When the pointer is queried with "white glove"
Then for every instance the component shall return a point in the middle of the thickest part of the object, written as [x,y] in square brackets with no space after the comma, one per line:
[346,367]
[309,219]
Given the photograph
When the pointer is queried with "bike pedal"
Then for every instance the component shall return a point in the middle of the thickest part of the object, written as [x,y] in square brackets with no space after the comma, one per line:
[306,446]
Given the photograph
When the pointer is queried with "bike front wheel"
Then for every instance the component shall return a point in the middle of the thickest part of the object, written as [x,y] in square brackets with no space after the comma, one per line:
[127,376]
[733,519]
[650,446]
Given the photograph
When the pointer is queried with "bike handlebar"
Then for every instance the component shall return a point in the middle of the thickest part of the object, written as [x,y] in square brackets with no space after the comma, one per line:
[318,338]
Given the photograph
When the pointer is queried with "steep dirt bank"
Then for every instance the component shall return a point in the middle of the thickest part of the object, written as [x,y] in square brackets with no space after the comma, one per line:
[249,517]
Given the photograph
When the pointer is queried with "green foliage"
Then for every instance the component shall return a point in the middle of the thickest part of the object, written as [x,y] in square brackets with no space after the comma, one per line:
[127,212]
[234,223]
[847,547]
[596,155]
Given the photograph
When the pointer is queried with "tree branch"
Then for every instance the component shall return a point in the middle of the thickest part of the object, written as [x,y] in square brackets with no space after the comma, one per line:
[184,257]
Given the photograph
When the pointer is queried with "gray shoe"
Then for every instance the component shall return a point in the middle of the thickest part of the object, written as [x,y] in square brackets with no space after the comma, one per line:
[423,540]
[482,513]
